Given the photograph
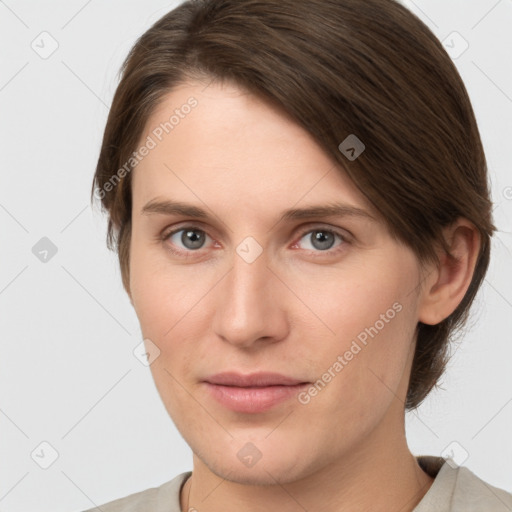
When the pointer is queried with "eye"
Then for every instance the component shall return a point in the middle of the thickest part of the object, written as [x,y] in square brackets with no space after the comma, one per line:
[322,240]
[190,238]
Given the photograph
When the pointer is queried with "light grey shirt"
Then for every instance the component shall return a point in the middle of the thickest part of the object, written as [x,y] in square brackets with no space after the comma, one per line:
[455,489]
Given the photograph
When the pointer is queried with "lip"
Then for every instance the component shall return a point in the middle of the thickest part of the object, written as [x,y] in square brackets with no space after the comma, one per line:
[259,379]
[253,393]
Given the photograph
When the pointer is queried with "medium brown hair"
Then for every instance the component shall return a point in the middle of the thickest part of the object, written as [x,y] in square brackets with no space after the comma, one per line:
[338,67]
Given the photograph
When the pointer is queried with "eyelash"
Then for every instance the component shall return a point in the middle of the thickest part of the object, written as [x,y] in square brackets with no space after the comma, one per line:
[189,253]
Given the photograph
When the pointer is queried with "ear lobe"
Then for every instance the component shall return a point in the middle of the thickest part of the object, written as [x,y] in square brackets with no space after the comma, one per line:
[448,285]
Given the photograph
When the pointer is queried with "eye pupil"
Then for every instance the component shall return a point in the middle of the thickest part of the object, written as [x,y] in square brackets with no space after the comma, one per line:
[320,237]
[191,239]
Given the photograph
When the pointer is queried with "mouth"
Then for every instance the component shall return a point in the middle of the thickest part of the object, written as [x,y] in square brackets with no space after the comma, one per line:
[254,393]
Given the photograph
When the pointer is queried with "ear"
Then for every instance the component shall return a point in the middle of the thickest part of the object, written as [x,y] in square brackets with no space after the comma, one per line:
[446,286]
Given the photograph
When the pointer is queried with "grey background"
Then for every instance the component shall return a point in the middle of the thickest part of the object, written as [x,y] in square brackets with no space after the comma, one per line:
[68,375]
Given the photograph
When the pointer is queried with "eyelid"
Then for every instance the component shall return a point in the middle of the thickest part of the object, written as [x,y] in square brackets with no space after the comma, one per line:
[195,226]
[341,232]
[191,225]
[329,229]
[167,233]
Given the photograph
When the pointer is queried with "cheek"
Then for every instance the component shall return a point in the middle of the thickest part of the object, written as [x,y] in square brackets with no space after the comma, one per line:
[167,301]
[371,319]
[162,293]
[376,363]
[346,302]
[171,308]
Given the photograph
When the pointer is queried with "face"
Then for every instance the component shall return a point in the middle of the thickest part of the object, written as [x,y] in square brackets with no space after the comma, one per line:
[324,298]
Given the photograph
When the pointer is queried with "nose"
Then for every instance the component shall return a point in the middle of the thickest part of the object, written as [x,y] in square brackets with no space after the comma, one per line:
[251,304]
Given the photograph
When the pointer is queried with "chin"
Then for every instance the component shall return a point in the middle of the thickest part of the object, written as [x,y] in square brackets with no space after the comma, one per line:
[261,474]
[274,467]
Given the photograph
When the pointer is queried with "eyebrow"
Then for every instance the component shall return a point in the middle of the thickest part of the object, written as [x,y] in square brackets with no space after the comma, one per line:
[169,207]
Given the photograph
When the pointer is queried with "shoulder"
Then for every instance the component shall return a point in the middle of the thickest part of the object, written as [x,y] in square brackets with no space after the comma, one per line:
[458,489]
[165,497]
[474,494]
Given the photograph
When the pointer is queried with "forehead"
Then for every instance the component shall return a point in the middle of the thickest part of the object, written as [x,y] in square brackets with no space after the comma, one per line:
[217,140]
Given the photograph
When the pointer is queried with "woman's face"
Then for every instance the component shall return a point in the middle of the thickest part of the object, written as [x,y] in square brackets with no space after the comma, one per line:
[330,299]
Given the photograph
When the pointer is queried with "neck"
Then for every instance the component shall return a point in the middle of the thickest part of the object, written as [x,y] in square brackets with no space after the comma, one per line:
[379,475]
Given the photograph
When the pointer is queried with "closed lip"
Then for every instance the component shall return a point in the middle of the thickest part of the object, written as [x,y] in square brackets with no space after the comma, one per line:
[259,379]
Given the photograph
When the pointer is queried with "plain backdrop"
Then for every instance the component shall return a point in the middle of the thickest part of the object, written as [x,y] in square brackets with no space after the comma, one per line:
[73,397]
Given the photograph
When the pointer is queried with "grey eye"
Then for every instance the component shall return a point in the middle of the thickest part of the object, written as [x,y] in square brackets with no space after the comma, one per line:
[320,239]
[190,238]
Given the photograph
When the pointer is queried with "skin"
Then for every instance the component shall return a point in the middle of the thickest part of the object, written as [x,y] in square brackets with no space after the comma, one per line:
[293,310]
